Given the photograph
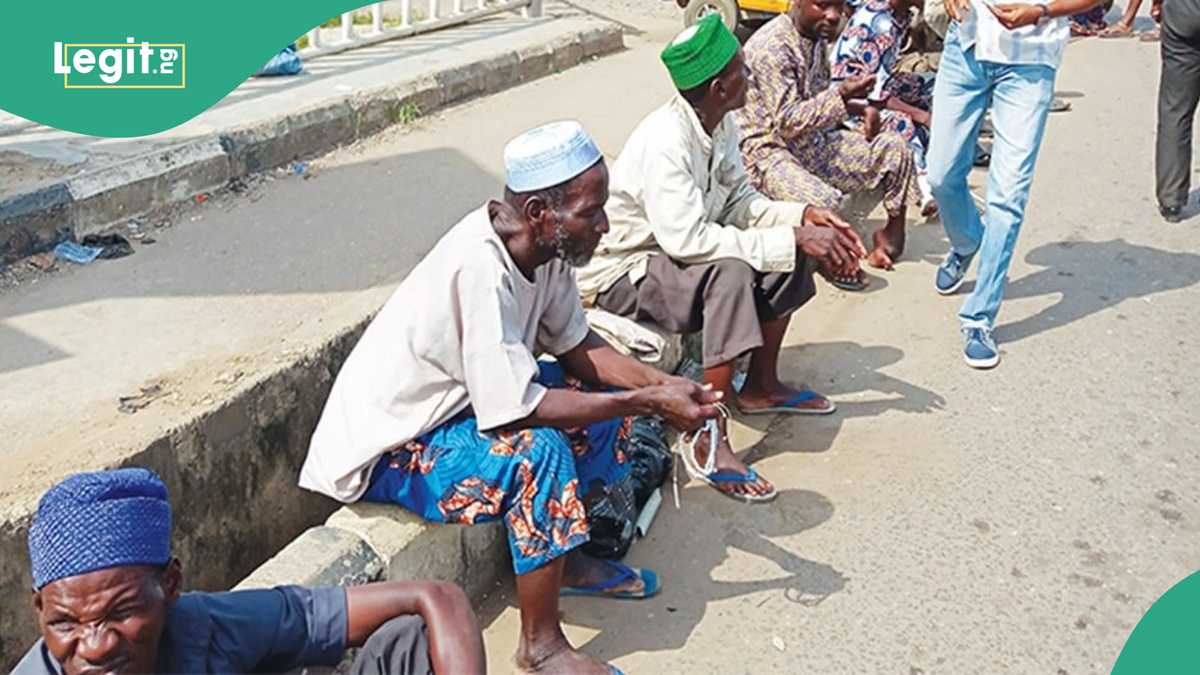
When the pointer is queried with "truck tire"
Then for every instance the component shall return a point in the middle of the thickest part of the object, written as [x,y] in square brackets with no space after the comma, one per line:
[698,9]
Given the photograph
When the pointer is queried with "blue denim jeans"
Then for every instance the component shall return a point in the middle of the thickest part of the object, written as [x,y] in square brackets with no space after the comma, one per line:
[1019,96]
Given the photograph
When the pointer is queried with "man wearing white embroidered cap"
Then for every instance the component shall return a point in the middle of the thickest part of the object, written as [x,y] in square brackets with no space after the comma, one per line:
[444,409]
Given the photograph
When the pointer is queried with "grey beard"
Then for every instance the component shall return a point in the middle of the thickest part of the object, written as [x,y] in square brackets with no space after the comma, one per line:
[560,250]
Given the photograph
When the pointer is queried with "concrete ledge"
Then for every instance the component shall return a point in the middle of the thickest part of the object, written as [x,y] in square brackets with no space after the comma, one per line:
[35,221]
[322,556]
[360,543]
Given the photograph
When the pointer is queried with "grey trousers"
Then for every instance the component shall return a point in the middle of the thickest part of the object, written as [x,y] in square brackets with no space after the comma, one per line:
[1178,93]
[398,647]
[727,299]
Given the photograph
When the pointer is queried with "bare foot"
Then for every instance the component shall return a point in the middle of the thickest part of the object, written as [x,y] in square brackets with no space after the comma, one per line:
[556,656]
[584,570]
[889,245]
[727,461]
[756,398]
[1081,30]
[1119,29]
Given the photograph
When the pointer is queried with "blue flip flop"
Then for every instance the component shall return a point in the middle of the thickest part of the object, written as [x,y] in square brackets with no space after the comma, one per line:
[789,406]
[623,574]
[735,478]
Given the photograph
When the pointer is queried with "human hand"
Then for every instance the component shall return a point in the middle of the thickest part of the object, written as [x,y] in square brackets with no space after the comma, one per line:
[871,122]
[957,9]
[1156,11]
[684,404]
[831,245]
[1017,15]
[828,218]
[856,86]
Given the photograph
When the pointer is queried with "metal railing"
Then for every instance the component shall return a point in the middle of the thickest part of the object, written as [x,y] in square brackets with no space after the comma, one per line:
[414,17]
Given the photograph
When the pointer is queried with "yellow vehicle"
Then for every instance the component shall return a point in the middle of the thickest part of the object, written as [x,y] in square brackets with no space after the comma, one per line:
[734,12]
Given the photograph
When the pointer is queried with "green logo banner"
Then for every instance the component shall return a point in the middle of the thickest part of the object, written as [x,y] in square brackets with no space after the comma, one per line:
[1165,641]
[136,68]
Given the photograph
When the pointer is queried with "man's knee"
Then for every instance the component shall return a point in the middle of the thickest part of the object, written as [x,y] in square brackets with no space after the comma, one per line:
[941,183]
[547,447]
[892,144]
[730,273]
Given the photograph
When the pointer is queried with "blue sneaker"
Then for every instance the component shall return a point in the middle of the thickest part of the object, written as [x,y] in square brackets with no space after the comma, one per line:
[980,350]
[951,273]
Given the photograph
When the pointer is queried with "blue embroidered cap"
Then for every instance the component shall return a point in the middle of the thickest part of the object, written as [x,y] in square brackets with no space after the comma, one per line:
[548,155]
[94,521]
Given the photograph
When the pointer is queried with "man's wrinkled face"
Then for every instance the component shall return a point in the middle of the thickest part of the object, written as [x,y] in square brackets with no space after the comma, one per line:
[108,621]
[579,221]
[818,18]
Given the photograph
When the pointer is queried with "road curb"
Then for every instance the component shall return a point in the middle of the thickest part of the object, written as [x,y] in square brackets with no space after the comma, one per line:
[33,222]
[361,543]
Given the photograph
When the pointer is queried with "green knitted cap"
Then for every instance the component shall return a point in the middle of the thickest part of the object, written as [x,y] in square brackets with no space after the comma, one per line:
[700,52]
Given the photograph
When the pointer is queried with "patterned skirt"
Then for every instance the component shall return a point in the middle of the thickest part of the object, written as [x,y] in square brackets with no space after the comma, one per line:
[537,480]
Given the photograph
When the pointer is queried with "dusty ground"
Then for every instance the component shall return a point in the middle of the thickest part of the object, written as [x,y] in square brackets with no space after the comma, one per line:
[944,521]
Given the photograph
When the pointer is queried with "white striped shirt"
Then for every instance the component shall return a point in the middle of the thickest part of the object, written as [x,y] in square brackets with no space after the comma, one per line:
[1040,44]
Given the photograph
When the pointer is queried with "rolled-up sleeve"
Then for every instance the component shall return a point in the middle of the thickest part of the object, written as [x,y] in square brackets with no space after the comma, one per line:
[675,211]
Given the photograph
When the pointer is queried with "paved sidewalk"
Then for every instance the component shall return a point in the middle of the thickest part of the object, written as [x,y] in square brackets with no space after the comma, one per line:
[53,182]
[34,156]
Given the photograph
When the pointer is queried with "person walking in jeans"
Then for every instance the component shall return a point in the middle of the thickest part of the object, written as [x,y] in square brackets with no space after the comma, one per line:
[1178,93]
[1003,56]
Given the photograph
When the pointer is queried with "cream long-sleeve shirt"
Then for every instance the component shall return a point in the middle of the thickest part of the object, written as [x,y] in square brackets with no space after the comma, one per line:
[674,190]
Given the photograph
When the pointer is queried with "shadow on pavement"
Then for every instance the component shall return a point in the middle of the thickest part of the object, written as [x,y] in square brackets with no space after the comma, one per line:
[1092,276]
[848,373]
[689,547]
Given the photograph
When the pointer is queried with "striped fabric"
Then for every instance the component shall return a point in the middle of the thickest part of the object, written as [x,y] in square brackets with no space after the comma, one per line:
[1042,44]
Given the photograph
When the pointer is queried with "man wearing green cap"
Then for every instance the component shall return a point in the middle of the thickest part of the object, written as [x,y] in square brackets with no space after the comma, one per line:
[692,245]
[794,143]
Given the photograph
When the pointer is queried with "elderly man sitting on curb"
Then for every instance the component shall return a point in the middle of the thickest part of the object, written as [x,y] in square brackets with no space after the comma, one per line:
[443,408]
[693,246]
[106,592]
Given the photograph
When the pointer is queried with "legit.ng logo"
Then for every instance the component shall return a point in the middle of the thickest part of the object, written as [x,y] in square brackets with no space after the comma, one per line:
[121,65]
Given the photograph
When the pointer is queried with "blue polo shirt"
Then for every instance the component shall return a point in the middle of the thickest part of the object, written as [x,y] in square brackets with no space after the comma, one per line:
[240,632]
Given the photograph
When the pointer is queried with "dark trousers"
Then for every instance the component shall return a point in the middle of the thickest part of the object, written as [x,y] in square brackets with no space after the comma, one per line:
[726,299]
[398,647]
[1178,93]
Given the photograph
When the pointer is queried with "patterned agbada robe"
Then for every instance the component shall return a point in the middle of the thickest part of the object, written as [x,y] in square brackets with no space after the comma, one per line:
[871,45]
[794,142]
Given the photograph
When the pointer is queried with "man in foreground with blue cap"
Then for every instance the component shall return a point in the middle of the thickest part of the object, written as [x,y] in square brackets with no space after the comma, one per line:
[695,247]
[107,594]
[444,409]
